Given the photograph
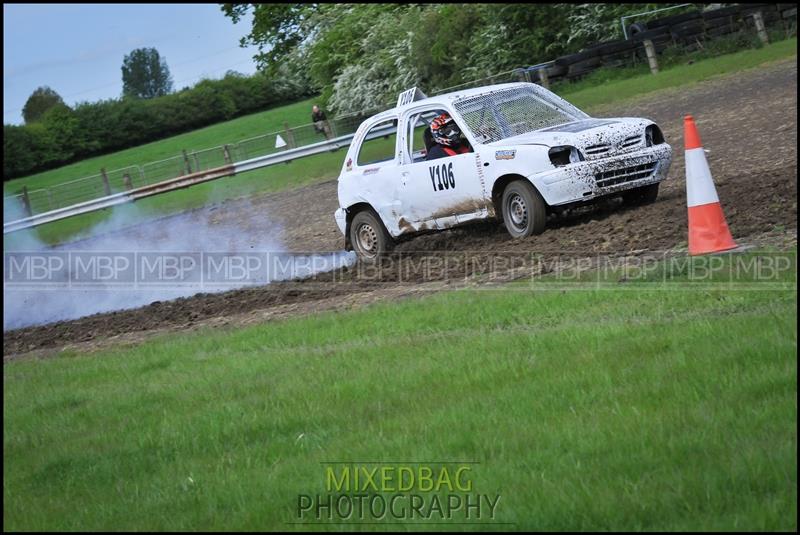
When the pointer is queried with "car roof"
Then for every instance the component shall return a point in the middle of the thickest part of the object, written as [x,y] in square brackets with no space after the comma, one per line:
[447,98]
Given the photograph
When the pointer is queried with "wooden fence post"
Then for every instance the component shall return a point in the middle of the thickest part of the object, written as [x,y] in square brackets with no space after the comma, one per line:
[126,179]
[289,135]
[186,162]
[26,201]
[760,29]
[226,154]
[106,185]
[543,79]
[651,55]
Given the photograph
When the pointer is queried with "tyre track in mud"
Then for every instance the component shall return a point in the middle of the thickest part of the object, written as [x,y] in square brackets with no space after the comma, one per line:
[748,123]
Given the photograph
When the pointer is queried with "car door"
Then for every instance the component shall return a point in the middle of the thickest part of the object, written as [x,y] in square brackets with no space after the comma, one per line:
[375,170]
[438,193]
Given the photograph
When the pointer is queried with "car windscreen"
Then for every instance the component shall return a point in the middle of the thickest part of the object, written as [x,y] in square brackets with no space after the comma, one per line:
[510,112]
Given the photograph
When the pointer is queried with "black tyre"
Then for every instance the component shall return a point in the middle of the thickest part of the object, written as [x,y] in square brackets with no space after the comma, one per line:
[524,211]
[617,47]
[635,28]
[554,71]
[672,20]
[585,66]
[583,55]
[691,28]
[368,236]
[653,35]
[725,12]
[643,195]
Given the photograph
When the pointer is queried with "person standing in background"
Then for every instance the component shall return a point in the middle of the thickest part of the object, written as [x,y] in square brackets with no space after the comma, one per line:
[320,121]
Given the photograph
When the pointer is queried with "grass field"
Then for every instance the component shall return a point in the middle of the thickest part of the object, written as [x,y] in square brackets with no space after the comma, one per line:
[657,406]
[592,93]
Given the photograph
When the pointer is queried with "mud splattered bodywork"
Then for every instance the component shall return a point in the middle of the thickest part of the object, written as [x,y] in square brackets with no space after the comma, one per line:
[515,131]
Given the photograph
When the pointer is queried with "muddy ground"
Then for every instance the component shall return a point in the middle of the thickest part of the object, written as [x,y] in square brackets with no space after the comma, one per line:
[748,125]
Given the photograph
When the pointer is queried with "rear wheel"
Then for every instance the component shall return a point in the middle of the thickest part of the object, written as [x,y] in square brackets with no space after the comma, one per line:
[368,236]
[524,211]
[643,195]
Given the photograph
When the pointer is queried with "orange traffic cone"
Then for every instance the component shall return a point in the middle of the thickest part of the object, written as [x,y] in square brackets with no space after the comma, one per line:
[708,231]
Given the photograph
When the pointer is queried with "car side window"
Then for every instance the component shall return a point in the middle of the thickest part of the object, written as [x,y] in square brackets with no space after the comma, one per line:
[420,140]
[379,143]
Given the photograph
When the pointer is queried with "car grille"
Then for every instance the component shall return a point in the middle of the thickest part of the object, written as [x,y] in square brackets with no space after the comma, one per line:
[596,150]
[631,142]
[603,149]
[626,174]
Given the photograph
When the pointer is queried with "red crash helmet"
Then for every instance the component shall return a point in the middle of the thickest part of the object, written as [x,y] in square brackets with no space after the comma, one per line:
[445,131]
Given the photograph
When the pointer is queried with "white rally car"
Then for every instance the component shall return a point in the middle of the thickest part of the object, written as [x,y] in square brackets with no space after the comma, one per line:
[531,153]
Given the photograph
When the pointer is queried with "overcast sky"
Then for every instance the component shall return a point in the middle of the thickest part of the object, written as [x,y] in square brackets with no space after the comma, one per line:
[77,49]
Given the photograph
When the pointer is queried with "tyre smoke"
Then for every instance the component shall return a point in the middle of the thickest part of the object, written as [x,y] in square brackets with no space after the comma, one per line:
[37,290]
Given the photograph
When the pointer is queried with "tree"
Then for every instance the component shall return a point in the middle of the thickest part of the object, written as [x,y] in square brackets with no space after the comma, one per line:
[145,74]
[363,54]
[18,158]
[64,129]
[41,100]
[26,148]
[277,28]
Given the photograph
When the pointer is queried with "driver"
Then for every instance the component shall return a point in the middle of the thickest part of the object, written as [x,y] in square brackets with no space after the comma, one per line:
[447,137]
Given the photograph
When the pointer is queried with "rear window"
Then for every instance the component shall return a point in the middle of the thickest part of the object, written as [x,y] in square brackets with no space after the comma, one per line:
[379,143]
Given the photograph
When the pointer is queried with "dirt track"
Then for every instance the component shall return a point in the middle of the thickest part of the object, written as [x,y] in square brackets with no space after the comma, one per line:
[747,121]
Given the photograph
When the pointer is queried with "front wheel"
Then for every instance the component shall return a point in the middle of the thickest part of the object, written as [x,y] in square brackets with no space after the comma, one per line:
[524,211]
[368,236]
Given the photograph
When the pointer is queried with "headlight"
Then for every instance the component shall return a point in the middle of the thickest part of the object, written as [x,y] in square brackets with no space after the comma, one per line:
[653,136]
[564,155]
